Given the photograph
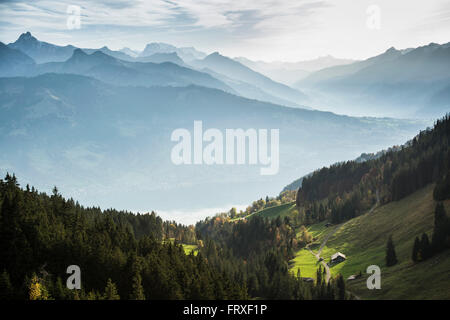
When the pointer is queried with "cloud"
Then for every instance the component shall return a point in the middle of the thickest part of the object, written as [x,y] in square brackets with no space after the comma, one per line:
[194,13]
[294,29]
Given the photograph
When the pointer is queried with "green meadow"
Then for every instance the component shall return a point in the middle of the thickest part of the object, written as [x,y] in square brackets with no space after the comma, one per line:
[306,262]
[363,241]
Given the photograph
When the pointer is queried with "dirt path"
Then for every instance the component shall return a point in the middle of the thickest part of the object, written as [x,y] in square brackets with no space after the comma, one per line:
[322,245]
[324,242]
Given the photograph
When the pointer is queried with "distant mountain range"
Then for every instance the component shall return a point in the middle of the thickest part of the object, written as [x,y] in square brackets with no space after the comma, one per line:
[291,72]
[240,74]
[213,70]
[110,145]
[111,70]
[403,83]
[41,51]
[409,83]
[186,53]
[14,62]
[97,123]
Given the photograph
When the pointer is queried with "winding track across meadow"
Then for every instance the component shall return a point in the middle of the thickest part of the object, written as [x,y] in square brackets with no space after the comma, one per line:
[324,242]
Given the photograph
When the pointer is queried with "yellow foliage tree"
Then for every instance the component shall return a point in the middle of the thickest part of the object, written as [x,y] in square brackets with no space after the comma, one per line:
[37,290]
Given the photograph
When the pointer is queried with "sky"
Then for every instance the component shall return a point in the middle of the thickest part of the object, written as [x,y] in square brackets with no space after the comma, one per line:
[269,30]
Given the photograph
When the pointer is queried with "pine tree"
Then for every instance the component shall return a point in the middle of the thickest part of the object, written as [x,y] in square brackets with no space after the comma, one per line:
[111,291]
[92,295]
[440,226]
[138,290]
[319,276]
[416,250]
[340,284]
[391,257]
[60,292]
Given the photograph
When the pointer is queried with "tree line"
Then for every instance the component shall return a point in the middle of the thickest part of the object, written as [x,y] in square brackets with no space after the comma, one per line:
[120,254]
[345,190]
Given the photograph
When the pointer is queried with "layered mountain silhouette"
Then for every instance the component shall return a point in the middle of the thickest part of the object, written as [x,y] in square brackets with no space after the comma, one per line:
[110,145]
[98,124]
[238,72]
[41,51]
[185,53]
[162,57]
[291,72]
[14,62]
[408,83]
[211,71]
[115,71]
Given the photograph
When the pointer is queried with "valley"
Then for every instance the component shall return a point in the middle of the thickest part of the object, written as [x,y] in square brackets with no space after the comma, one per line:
[97,143]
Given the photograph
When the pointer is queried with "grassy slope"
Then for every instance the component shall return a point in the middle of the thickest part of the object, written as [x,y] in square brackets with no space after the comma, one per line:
[303,259]
[306,262]
[363,241]
[186,247]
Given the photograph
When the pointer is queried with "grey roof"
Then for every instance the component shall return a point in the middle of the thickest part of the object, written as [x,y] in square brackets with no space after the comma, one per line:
[337,254]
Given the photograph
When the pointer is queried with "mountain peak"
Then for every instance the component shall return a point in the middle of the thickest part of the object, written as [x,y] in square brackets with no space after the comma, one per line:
[391,49]
[78,53]
[216,55]
[27,36]
[100,54]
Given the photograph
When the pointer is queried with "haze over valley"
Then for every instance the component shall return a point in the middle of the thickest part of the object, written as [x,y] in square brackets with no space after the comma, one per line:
[97,122]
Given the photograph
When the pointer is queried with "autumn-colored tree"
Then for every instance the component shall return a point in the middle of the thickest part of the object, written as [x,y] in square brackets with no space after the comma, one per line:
[37,290]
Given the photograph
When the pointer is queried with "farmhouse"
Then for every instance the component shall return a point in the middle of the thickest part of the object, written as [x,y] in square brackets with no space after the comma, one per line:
[337,257]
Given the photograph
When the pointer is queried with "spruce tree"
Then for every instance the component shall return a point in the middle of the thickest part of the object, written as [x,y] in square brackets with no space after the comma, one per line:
[439,231]
[340,284]
[319,276]
[111,291]
[391,257]
[138,290]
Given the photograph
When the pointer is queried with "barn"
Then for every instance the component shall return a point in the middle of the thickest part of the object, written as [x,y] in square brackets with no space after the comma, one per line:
[337,257]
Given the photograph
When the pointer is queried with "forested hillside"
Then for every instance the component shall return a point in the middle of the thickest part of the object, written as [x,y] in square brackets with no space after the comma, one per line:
[343,191]
[136,256]
[120,254]
[128,256]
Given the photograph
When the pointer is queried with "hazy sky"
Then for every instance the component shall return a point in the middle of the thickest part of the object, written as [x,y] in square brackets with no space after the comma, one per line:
[289,30]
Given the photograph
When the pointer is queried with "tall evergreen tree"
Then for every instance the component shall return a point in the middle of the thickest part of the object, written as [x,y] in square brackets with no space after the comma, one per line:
[440,228]
[340,284]
[391,257]
[111,291]
[138,290]
[416,250]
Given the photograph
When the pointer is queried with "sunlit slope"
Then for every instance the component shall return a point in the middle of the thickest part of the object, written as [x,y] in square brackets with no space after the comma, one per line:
[363,241]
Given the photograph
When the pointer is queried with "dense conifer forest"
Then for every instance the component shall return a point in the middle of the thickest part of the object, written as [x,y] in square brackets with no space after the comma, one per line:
[126,256]
[345,190]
